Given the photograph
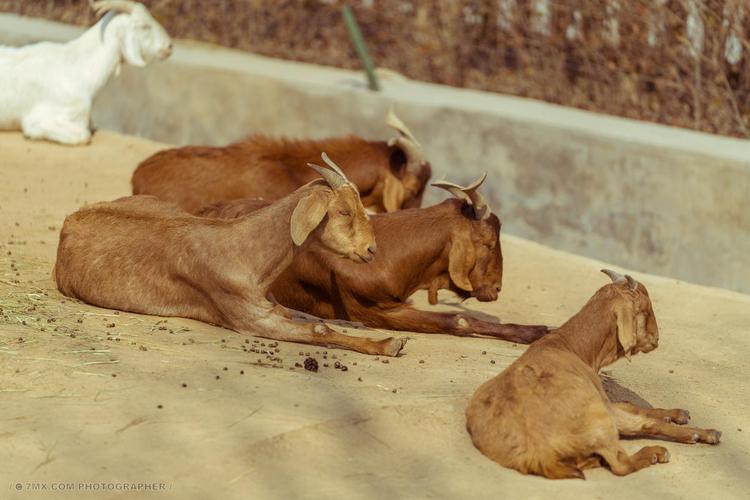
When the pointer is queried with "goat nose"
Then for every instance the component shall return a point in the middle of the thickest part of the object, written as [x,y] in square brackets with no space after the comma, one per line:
[372,249]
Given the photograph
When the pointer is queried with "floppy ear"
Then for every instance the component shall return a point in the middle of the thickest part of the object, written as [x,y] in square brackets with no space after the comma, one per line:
[307,215]
[461,261]
[626,325]
[131,49]
[393,193]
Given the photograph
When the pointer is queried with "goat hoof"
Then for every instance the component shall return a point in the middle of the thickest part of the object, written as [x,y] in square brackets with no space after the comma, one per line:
[712,436]
[680,417]
[659,454]
[394,345]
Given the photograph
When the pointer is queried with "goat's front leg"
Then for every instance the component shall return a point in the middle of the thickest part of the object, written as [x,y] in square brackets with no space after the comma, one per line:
[413,320]
[522,334]
[273,322]
[280,328]
[54,125]
[675,416]
[632,421]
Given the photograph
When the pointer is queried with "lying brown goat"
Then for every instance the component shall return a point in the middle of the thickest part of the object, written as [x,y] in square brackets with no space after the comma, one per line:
[389,175]
[454,245]
[548,414]
[148,256]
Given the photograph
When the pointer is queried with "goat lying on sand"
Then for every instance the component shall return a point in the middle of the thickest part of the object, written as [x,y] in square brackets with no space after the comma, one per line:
[547,413]
[148,256]
[46,89]
[389,175]
[454,245]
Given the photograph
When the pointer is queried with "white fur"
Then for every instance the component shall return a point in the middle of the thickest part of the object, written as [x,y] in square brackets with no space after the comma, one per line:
[46,89]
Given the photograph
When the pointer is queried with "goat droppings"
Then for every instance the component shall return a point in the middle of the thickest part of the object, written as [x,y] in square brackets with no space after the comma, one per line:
[311,365]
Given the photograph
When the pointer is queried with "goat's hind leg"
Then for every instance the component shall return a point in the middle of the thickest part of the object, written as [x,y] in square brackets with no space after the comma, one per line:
[633,421]
[621,464]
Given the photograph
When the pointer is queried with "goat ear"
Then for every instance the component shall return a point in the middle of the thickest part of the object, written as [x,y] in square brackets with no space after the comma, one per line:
[394,193]
[308,213]
[461,261]
[626,325]
[131,49]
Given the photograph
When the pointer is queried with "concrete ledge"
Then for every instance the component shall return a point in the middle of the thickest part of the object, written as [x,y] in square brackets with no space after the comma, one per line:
[645,196]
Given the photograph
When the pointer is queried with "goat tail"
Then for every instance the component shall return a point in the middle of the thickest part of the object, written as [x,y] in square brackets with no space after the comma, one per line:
[562,469]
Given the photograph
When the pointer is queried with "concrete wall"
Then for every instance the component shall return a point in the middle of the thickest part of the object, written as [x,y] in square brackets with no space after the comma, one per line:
[649,197]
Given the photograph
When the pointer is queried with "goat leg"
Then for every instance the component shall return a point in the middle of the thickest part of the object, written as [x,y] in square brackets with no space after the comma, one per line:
[522,334]
[675,416]
[636,423]
[621,464]
[414,320]
[280,328]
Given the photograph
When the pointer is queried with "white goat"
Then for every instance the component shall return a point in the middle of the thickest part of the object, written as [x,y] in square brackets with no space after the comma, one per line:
[46,89]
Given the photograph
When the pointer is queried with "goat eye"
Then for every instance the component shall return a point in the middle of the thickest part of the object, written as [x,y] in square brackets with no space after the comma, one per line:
[345,213]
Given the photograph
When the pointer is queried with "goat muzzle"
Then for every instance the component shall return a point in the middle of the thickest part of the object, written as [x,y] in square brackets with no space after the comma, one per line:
[486,294]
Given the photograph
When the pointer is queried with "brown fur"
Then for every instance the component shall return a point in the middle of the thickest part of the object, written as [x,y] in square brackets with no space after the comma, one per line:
[263,167]
[148,256]
[548,414]
[429,248]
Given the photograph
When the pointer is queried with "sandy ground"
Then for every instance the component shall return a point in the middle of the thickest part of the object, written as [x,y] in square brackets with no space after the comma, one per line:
[89,395]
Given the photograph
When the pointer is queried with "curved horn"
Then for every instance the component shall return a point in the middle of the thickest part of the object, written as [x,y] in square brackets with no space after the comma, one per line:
[117,5]
[633,284]
[334,176]
[469,193]
[406,141]
[335,167]
[614,276]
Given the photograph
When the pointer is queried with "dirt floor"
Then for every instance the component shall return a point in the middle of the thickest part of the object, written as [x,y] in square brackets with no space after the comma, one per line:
[94,396]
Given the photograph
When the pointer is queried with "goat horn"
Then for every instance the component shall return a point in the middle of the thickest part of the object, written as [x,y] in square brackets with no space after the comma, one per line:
[333,166]
[334,176]
[469,193]
[406,141]
[614,276]
[633,284]
[103,6]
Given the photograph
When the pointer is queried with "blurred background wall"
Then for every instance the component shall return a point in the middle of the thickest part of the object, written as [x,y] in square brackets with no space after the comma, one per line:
[658,199]
[678,62]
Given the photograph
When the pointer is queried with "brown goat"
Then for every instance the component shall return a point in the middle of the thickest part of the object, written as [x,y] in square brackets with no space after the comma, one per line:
[548,414]
[389,175]
[453,245]
[148,256]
